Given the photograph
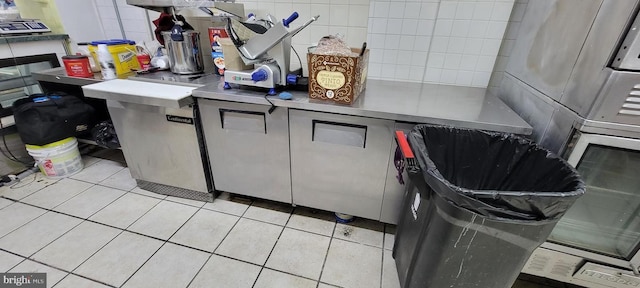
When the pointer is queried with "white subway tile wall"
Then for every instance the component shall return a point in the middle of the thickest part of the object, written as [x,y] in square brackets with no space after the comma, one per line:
[109,20]
[400,36]
[454,42]
[466,40]
[133,19]
[349,18]
[507,44]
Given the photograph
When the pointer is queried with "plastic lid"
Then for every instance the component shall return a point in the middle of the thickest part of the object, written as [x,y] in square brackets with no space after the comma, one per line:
[74,57]
[113,42]
[51,145]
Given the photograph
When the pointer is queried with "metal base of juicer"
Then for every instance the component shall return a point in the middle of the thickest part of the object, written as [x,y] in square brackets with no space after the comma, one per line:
[265,76]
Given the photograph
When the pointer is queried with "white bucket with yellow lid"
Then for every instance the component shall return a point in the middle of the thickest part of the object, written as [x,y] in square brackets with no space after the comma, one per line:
[58,159]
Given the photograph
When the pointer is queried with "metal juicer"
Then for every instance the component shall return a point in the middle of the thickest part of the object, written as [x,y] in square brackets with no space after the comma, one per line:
[266,45]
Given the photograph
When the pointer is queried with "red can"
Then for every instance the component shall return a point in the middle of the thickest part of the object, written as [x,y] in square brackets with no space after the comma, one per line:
[145,61]
[77,66]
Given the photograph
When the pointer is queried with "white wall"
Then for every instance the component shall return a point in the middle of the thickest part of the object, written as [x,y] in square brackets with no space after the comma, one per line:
[507,44]
[349,18]
[80,20]
[134,21]
[454,42]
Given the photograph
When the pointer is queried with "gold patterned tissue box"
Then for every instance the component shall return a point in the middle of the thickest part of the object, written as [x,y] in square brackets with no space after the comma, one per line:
[340,79]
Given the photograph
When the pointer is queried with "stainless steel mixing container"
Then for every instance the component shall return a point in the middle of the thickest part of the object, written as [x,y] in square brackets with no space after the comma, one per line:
[185,57]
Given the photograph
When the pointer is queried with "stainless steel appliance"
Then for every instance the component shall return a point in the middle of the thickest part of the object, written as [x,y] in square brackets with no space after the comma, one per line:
[200,20]
[185,56]
[160,134]
[574,75]
[268,48]
[339,162]
[249,148]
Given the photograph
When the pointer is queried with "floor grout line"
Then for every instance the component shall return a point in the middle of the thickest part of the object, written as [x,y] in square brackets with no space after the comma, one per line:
[326,255]
[223,238]
[163,244]
[253,202]
[272,248]
[239,217]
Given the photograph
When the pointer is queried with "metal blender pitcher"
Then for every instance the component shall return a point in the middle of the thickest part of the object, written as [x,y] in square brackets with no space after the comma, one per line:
[185,56]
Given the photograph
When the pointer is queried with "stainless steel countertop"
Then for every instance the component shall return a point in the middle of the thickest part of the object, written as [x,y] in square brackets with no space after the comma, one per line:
[466,107]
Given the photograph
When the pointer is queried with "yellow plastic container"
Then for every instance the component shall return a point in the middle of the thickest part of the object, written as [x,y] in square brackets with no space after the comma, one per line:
[123,52]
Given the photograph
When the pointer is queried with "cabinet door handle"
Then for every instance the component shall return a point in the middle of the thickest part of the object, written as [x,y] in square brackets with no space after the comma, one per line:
[404,145]
[339,133]
[252,121]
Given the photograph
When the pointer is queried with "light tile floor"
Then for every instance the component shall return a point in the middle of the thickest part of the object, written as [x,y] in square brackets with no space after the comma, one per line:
[97,229]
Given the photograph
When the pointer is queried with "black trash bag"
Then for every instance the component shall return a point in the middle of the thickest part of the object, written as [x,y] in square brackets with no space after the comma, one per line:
[105,135]
[496,175]
[46,118]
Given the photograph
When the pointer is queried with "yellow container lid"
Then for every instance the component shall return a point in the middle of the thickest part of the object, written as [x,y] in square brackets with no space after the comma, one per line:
[52,145]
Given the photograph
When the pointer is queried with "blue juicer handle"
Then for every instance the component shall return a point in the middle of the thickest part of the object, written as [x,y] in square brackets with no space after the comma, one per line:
[288,21]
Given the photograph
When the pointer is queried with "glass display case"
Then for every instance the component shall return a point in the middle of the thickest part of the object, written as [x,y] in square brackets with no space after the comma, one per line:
[15,76]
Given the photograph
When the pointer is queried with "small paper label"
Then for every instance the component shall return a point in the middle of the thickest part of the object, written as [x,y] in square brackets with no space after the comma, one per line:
[415,206]
[48,168]
[125,56]
[330,80]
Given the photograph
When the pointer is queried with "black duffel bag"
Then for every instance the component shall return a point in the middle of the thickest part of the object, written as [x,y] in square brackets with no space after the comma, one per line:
[46,118]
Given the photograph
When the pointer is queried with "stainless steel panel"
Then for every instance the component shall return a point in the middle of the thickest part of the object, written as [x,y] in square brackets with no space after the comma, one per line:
[58,75]
[467,107]
[157,150]
[535,108]
[619,99]
[559,130]
[393,190]
[335,177]
[175,191]
[250,153]
[627,56]
[249,121]
[160,5]
[339,133]
[588,74]
[607,276]
[551,36]
[411,102]
[552,264]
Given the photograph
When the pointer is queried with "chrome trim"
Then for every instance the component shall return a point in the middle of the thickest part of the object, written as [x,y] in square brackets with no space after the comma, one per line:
[611,141]
[586,254]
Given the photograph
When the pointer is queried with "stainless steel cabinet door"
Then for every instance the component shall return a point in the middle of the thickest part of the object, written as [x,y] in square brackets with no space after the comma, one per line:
[393,190]
[248,148]
[339,163]
[157,150]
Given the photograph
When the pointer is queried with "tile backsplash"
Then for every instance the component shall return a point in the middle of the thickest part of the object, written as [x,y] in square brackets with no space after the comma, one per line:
[347,18]
[134,20]
[507,45]
[454,42]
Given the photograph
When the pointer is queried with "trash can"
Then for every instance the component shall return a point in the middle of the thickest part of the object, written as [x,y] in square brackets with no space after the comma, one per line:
[477,205]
